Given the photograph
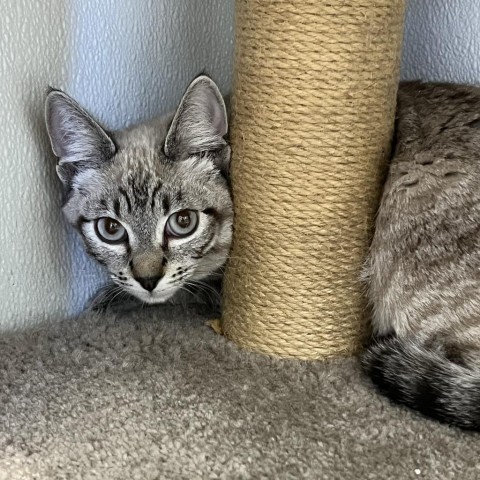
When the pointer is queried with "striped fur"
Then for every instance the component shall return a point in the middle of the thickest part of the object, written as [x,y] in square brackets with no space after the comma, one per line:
[423,269]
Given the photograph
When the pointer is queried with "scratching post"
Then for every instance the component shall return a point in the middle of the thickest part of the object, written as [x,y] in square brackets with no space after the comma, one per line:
[313,108]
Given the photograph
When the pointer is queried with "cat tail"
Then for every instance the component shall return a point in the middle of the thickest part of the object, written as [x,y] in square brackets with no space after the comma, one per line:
[431,379]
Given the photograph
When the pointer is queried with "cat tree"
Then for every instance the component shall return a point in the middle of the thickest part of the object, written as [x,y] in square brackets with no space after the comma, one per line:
[313,108]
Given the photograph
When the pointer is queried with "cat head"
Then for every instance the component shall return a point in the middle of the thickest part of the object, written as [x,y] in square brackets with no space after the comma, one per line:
[152,203]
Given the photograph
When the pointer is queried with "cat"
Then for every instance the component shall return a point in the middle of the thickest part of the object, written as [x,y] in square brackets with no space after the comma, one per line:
[423,268]
[152,203]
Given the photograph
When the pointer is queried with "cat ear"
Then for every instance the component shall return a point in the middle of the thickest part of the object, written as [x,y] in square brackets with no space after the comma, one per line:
[200,122]
[76,138]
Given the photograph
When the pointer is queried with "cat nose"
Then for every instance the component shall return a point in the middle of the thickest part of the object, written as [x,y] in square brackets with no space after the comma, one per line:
[149,283]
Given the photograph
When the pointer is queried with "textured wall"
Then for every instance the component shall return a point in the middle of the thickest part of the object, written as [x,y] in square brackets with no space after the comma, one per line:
[125,61]
[442,41]
[34,260]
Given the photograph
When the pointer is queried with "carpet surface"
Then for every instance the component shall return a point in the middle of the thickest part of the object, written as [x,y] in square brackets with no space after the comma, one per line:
[156,394]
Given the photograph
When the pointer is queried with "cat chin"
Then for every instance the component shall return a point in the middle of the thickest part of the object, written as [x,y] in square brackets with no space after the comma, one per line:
[153,298]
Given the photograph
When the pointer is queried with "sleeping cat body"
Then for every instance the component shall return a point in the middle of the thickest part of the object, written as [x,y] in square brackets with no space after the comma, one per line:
[152,203]
[423,270]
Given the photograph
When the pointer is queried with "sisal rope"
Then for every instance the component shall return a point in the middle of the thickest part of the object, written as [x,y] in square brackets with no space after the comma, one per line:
[313,108]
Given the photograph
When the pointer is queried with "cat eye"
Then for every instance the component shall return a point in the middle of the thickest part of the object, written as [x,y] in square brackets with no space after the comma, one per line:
[182,223]
[110,230]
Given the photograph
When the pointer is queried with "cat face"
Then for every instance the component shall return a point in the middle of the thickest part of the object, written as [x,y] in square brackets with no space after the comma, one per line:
[152,204]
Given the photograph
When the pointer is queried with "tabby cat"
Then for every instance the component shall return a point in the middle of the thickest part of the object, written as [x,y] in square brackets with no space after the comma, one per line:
[152,203]
[423,270]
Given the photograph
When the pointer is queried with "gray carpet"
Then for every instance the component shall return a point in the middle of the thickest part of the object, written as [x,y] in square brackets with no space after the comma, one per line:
[155,394]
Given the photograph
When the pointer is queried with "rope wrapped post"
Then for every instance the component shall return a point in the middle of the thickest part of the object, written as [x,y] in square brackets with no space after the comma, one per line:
[312,116]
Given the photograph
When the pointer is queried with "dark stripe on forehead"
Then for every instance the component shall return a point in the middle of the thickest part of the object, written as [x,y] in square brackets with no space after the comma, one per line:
[127,199]
[157,188]
[165,204]
[133,187]
[178,196]
[140,188]
[116,207]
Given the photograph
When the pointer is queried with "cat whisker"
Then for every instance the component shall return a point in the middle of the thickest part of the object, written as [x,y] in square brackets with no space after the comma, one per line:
[210,292]
[186,288]
[105,296]
[119,294]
